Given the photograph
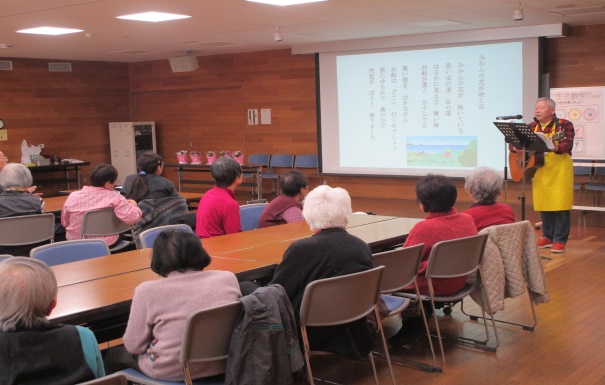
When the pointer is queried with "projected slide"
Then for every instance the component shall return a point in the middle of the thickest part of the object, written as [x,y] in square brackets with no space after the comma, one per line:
[418,111]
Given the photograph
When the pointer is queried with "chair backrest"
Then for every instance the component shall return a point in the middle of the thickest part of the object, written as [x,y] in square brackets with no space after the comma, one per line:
[5,256]
[70,251]
[340,300]
[456,257]
[27,229]
[102,222]
[250,214]
[582,170]
[306,161]
[208,333]
[147,237]
[282,160]
[258,160]
[400,267]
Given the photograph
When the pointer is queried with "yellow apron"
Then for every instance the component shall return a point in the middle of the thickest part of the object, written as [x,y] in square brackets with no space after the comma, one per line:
[552,185]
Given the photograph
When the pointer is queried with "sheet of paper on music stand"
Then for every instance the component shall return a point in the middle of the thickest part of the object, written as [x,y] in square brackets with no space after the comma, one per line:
[549,144]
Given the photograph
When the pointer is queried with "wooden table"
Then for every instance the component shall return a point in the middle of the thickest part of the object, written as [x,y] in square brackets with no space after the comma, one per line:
[55,204]
[98,292]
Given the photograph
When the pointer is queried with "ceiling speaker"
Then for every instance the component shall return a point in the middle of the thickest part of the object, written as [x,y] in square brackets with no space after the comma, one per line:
[183,63]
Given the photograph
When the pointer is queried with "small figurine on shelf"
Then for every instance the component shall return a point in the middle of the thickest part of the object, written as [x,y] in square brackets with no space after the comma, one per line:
[196,157]
[182,156]
[225,153]
[238,156]
[210,156]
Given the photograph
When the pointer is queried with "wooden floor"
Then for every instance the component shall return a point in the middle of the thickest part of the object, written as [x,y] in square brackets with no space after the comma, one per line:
[567,346]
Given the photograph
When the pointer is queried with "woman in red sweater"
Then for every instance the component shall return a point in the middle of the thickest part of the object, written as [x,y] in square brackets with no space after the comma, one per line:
[436,196]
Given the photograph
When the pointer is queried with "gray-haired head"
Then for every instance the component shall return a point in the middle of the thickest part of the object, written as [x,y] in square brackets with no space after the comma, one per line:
[326,207]
[15,175]
[484,184]
[549,102]
[27,290]
[225,170]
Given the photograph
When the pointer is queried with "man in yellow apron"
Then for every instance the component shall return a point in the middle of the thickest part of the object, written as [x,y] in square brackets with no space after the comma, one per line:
[552,185]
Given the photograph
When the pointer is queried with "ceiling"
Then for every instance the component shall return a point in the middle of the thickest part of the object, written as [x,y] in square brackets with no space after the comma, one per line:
[229,26]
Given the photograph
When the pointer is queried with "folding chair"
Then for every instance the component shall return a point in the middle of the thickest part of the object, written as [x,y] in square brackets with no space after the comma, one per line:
[457,258]
[341,300]
[581,171]
[309,162]
[256,160]
[282,161]
[147,237]
[104,222]
[400,271]
[250,215]
[26,230]
[597,185]
[207,337]
[70,251]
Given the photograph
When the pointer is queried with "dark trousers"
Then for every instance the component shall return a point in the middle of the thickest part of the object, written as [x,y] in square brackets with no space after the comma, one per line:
[556,225]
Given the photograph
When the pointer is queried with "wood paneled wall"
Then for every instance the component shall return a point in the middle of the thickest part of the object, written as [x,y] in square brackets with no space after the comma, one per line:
[207,109]
[68,112]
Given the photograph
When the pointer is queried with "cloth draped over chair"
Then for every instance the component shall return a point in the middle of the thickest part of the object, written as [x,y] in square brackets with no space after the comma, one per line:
[157,212]
[510,264]
[264,347]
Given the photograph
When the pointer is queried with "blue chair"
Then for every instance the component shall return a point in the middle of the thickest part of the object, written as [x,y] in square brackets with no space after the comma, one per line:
[147,237]
[309,162]
[70,251]
[206,338]
[256,160]
[597,185]
[282,161]
[5,256]
[250,214]
[581,171]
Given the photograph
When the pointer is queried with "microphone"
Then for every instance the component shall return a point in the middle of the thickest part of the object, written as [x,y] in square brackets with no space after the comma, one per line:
[509,117]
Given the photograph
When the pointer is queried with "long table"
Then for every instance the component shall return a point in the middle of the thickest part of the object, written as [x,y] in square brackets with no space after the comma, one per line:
[98,292]
[55,204]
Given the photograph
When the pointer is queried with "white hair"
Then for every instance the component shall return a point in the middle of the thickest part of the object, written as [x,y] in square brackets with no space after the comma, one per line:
[15,175]
[484,184]
[326,207]
[27,290]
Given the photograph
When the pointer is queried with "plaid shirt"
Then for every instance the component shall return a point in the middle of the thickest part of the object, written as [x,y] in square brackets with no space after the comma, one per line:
[92,198]
[565,144]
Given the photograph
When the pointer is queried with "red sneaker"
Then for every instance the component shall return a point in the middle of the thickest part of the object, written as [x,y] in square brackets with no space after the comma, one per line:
[544,242]
[558,247]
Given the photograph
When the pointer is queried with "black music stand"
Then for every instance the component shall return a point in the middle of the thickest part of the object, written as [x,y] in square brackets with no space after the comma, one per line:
[521,136]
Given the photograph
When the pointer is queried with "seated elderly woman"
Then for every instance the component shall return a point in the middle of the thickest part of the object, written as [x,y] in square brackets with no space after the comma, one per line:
[35,350]
[484,185]
[16,199]
[329,252]
[286,208]
[436,196]
[161,307]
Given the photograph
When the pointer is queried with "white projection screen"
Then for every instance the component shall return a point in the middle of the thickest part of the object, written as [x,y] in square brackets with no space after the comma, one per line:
[422,110]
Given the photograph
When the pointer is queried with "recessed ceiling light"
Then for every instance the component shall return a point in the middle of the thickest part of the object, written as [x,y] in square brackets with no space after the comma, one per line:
[285,2]
[153,17]
[50,31]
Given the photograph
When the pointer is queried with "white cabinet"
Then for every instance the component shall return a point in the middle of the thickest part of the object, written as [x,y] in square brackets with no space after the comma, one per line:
[128,140]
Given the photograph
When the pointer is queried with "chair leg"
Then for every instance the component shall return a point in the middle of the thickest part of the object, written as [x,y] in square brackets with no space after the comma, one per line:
[524,326]
[303,331]
[384,346]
